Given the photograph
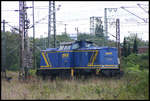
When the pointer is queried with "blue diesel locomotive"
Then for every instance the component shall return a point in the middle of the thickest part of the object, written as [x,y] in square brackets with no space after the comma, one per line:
[79,57]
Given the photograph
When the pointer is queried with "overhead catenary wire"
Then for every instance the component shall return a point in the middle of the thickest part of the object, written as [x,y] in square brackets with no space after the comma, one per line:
[142,8]
[75,19]
[87,18]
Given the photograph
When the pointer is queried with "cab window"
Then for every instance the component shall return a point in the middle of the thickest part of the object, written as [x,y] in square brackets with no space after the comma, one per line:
[75,46]
[67,47]
[87,45]
[61,47]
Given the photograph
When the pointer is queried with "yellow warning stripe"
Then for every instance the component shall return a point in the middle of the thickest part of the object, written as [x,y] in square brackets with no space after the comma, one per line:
[47,65]
[81,68]
[94,57]
[109,65]
[100,66]
[91,59]
[48,60]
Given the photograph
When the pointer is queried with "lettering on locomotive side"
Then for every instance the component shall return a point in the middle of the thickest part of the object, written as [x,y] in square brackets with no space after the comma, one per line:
[108,53]
[65,55]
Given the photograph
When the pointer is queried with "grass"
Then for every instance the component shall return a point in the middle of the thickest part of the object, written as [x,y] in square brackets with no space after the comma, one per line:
[92,88]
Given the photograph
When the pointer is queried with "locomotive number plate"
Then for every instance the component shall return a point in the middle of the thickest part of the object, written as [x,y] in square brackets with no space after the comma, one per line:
[108,53]
[65,55]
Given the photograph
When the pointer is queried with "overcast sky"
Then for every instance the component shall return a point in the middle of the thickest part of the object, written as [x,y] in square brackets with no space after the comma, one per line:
[78,13]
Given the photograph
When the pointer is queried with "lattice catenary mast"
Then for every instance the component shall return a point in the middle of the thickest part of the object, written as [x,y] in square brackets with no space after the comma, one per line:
[25,54]
[52,22]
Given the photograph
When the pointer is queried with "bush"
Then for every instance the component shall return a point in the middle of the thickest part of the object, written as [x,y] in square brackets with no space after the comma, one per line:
[137,74]
[134,60]
[144,61]
[13,67]
[138,83]
[32,72]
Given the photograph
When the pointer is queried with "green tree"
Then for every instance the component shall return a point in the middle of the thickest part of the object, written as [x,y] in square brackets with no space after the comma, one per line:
[12,50]
[124,53]
[135,46]
[99,28]
[84,36]
[60,38]
[129,49]
[140,42]
[99,31]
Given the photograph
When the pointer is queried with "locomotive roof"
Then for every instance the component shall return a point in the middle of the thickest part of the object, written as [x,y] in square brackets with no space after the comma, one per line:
[82,48]
[69,43]
[91,48]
